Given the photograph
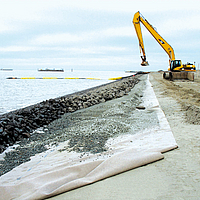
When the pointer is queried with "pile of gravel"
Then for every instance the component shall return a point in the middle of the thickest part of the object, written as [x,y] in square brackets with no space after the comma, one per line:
[87,130]
[192,114]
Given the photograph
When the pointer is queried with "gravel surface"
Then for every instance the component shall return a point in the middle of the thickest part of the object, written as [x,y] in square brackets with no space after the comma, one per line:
[87,130]
[18,124]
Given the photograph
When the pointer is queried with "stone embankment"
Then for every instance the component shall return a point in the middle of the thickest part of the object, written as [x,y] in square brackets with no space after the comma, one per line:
[18,124]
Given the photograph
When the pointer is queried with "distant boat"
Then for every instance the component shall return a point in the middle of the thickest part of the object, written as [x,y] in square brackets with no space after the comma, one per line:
[130,71]
[6,69]
[51,70]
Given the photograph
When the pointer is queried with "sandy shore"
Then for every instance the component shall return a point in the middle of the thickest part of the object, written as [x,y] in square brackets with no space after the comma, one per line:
[175,177]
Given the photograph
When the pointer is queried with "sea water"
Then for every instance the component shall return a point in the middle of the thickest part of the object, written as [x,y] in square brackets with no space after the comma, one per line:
[19,93]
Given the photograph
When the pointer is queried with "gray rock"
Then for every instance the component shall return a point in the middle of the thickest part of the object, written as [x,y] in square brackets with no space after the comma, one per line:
[13,125]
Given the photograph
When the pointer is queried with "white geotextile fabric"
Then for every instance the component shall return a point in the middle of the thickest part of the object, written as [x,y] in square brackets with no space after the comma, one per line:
[54,172]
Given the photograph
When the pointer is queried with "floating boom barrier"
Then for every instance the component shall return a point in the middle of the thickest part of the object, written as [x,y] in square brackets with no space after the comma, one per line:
[117,78]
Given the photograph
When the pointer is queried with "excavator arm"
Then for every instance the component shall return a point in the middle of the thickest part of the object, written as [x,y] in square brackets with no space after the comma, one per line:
[136,23]
[137,19]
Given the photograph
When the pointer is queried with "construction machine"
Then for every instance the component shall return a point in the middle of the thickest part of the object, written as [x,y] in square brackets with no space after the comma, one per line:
[176,69]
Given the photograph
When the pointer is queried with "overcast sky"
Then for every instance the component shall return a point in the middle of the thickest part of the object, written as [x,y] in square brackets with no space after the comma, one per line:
[95,34]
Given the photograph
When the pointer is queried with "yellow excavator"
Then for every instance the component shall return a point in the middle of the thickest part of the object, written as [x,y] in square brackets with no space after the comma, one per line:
[176,69]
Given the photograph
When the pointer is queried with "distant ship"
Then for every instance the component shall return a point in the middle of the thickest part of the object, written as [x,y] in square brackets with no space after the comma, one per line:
[51,70]
[130,71]
[6,69]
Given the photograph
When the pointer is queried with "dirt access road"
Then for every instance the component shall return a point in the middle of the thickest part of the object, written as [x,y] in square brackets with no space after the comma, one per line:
[186,93]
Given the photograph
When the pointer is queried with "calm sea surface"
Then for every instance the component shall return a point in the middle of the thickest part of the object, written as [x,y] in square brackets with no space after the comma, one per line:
[18,93]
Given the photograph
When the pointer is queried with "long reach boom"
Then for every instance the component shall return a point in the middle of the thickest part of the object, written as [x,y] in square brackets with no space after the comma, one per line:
[138,18]
[174,65]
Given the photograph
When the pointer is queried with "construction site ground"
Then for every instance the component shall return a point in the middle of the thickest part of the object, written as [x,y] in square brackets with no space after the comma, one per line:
[177,176]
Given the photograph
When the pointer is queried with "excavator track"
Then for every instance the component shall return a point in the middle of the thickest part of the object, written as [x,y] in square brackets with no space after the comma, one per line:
[178,75]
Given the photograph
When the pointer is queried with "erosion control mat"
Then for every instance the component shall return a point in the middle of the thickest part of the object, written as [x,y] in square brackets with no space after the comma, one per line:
[107,139]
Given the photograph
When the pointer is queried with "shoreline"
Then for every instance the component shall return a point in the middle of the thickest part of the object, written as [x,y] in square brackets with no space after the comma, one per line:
[175,177]
[36,139]
[18,124]
[134,137]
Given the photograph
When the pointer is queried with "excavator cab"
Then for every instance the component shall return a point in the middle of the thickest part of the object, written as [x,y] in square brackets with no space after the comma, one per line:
[175,64]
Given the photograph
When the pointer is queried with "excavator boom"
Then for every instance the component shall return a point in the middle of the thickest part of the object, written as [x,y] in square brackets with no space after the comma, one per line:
[137,19]
[176,69]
